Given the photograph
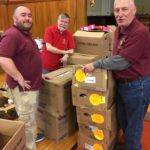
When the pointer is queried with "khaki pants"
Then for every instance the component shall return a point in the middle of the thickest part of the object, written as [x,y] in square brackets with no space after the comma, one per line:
[26,105]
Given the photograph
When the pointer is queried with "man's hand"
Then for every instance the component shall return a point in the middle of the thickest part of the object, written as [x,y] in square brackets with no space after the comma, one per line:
[88,68]
[23,83]
[44,77]
[64,58]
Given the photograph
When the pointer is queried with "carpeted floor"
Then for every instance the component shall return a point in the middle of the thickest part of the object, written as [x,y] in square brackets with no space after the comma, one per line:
[146,136]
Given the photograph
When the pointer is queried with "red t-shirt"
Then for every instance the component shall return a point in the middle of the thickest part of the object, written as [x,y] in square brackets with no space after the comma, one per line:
[22,49]
[62,41]
[133,45]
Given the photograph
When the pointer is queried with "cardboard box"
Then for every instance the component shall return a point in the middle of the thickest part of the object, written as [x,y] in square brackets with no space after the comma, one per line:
[57,127]
[95,43]
[92,99]
[55,93]
[12,135]
[88,143]
[111,36]
[101,135]
[78,58]
[104,119]
[99,79]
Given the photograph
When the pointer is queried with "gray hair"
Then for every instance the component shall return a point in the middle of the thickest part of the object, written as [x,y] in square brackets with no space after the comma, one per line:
[63,15]
[132,3]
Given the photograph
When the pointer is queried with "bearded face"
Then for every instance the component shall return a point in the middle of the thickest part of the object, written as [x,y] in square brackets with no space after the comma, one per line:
[24,25]
[23,19]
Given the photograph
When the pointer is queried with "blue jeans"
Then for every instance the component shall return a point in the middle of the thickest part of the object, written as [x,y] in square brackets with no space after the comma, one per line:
[132,103]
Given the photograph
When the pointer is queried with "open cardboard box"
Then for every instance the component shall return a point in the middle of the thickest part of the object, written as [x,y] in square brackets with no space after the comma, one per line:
[12,135]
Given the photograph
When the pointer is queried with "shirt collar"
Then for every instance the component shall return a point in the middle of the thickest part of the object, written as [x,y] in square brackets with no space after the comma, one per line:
[128,29]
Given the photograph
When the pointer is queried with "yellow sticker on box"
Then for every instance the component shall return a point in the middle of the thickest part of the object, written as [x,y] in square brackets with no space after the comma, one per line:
[105,76]
[97,147]
[97,118]
[98,134]
[80,75]
[96,99]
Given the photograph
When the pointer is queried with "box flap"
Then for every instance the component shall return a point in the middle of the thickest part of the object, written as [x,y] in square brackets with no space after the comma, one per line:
[11,127]
[59,76]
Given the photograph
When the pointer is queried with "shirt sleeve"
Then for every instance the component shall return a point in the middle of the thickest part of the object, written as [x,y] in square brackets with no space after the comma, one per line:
[8,45]
[112,63]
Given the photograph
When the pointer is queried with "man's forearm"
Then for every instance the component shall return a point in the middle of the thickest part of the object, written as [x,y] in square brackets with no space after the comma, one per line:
[112,63]
[53,49]
[9,67]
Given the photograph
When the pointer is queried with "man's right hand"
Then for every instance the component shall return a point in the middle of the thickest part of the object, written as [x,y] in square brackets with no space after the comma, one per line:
[23,83]
[88,68]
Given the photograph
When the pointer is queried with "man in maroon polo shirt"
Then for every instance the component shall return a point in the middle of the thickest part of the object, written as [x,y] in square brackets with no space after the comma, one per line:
[59,43]
[20,59]
[131,69]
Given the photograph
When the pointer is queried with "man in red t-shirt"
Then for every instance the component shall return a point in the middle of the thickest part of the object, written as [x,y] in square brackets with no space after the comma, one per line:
[59,43]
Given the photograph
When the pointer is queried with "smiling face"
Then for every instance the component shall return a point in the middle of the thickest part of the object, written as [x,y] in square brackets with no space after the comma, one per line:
[124,11]
[23,18]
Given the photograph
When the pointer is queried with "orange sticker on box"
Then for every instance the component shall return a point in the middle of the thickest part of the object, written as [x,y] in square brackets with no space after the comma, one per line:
[148,110]
[97,147]
[97,118]
[80,75]
[98,134]
[96,99]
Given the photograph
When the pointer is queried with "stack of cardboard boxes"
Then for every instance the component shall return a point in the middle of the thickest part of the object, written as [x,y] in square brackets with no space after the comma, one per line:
[94,94]
[56,116]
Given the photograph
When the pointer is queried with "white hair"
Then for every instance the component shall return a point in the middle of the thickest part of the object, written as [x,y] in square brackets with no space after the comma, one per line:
[131,2]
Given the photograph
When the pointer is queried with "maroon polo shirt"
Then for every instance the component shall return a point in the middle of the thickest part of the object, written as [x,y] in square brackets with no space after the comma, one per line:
[62,41]
[134,45]
[22,49]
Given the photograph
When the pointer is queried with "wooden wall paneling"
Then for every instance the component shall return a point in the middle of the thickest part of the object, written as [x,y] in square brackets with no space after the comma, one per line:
[67,6]
[81,15]
[3,16]
[45,13]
